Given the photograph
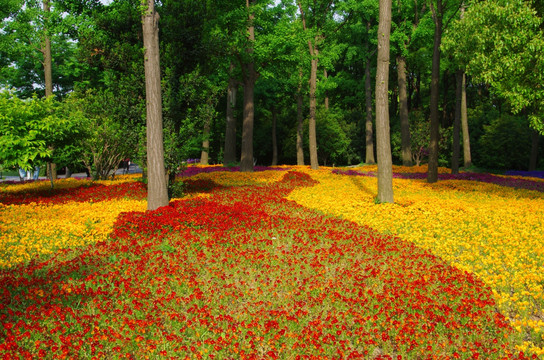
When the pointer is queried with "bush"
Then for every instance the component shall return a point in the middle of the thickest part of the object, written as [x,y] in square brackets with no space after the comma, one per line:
[506,143]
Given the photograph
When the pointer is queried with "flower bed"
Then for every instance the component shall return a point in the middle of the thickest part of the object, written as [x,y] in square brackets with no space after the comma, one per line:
[245,273]
[477,225]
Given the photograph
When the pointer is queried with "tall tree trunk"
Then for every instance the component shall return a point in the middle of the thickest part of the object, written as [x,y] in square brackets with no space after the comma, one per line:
[274,139]
[445,86]
[369,132]
[417,88]
[300,124]
[229,155]
[385,164]
[432,174]
[250,76]
[403,113]
[456,148]
[47,57]
[464,124]
[325,76]
[48,73]
[464,117]
[535,136]
[313,104]
[157,193]
[204,154]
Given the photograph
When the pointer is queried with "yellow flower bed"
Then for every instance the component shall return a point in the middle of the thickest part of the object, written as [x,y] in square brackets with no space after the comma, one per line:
[493,231]
[31,230]
[236,178]
[39,229]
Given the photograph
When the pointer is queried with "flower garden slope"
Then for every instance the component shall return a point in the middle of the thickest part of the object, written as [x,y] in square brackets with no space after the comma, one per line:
[492,231]
[246,274]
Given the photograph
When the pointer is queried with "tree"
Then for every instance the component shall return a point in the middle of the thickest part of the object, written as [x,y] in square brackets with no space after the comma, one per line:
[157,183]
[315,36]
[229,155]
[250,77]
[408,17]
[105,141]
[437,13]
[385,164]
[34,131]
[501,43]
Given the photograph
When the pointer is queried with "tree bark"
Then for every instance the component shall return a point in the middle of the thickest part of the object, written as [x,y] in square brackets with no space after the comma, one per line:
[432,174]
[204,154]
[300,124]
[464,124]
[385,164]
[369,131]
[47,57]
[274,139]
[312,135]
[325,76]
[250,76]
[157,193]
[48,73]
[403,113]
[456,148]
[229,157]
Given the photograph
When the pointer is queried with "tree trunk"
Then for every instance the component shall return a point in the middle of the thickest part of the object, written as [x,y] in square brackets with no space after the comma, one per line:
[445,86]
[456,148]
[229,157]
[300,125]
[47,61]
[385,165]
[432,174]
[204,154]
[48,74]
[403,113]
[274,140]
[313,104]
[535,136]
[369,133]
[157,193]
[464,124]
[250,76]
[325,76]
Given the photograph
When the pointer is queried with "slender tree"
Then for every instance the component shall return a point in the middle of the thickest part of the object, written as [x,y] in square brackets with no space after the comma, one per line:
[369,130]
[456,148]
[250,77]
[300,122]
[229,156]
[467,157]
[403,112]
[437,11]
[313,42]
[385,164]
[157,183]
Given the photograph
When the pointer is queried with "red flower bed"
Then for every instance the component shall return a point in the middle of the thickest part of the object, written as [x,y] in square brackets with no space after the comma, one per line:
[246,274]
[86,192]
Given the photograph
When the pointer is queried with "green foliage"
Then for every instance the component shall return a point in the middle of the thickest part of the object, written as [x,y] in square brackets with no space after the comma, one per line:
[506,143]
[419,132]
[23,25]
[107,141]
[501,43]
[35,130]
[176,189]
[333,142]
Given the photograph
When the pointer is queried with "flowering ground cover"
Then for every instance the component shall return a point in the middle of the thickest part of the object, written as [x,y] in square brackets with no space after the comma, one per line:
[475,224]
[245,273]
[36,220]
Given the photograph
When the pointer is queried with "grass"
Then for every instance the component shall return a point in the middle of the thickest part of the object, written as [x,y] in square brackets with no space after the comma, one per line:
[236,270]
